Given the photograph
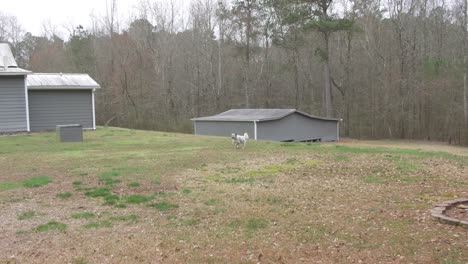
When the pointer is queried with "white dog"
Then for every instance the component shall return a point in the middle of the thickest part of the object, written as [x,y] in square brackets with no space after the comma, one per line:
[237,140]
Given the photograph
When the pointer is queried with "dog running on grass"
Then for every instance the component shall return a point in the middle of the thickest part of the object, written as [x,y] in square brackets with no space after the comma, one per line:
[238,140]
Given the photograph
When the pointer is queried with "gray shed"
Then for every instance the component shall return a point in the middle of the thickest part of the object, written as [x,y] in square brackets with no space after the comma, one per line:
[269,124]
[61,99]
[41,101]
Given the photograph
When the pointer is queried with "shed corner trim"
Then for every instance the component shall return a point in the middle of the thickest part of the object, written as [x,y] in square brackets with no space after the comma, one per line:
[255,129]
[26,95]
[94,109]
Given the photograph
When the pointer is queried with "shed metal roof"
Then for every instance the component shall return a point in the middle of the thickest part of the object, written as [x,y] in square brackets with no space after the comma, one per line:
[8,64]
[60,81]
[255,115]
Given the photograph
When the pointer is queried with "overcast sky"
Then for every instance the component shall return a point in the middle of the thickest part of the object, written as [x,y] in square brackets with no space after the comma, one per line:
[32,14]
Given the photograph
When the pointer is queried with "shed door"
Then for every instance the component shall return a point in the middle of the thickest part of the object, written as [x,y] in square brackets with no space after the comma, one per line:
[49,108]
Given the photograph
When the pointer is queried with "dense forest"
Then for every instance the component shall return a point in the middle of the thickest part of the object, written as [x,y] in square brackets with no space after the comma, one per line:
[389,69]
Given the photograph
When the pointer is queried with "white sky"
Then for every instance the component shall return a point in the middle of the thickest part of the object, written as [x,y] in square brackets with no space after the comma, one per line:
[66,14]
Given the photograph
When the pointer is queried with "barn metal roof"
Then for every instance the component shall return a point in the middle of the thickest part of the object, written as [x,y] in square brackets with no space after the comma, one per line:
[60,81]
[8,64]
[255,115]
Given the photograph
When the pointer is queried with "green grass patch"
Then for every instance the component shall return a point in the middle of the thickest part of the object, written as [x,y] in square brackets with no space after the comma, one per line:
[229,170]
[163,194]
[378,179]
[186,190]
[189,221]
[375,179]
[64,195]
[137,198]
[26,215]
[250,225]
[22,232]
[313,233]
[51,226]
[163,206]
[111,199]
[77,183]
[120,205]
[108,180]
[156,181]
[134,184]
[266,171]
[240,180]
[341,158]
[84,215]
[110,173]
[10,185]
[33,182]
[130,217]
[253,224]
[97,192]
[114,172]
[383,150]
[272,200]
[312,162]
[407,166]
[98,224]
[292,161]
[80,261]
[290,144]
[37,181]
[211,202]
[214,177]
[109,177]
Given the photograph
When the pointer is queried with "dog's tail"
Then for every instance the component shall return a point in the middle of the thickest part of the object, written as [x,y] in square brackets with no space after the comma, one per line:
[246,136]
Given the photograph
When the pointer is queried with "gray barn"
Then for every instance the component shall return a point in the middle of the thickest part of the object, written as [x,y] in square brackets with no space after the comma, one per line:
[269,124]
[61,99]
[41,101]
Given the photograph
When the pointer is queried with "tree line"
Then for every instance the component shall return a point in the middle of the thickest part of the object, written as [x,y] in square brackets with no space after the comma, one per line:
[389,69]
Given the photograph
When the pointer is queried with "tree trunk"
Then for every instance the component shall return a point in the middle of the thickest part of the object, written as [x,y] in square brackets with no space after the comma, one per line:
[296,78]
[327,104]
[465,88]
[248,35]
[347,86]
[246,85]
[220,65]
[465,93]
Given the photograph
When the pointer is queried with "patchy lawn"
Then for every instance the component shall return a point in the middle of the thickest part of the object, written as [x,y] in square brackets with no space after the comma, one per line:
[129,196]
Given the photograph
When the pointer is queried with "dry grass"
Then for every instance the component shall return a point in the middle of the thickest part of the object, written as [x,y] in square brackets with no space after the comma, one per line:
[201,201]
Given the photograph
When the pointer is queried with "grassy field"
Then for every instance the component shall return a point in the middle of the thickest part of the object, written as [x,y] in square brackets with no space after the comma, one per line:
[127,196]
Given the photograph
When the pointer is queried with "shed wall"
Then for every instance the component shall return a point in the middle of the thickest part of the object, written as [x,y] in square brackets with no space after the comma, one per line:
[298,128]
[12,104]
[49,108]
[223,128]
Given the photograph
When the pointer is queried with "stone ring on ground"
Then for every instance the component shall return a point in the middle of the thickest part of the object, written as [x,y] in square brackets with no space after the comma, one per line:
[453,212]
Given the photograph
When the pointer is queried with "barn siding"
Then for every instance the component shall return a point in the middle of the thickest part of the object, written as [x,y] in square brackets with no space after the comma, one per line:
[49,108]
[298,128]
[12,104]
[224,129]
